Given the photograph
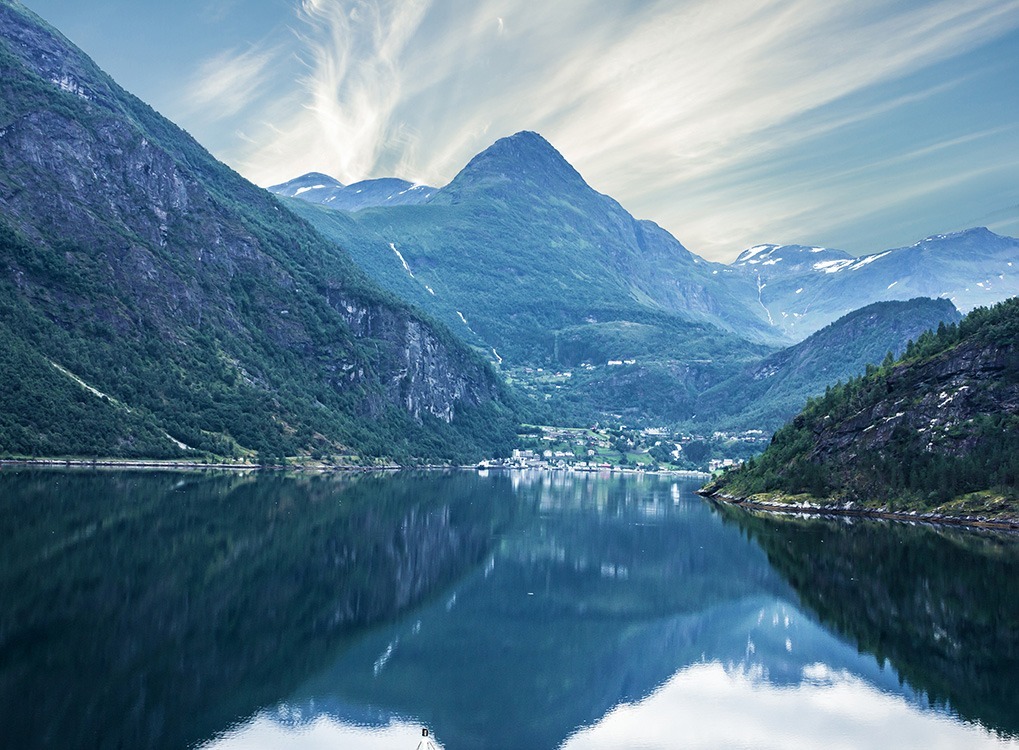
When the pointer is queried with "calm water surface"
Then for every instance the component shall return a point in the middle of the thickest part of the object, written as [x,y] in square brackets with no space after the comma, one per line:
[505,611]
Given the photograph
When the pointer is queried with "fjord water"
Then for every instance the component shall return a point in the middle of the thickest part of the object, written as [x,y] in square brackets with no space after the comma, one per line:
[169,610]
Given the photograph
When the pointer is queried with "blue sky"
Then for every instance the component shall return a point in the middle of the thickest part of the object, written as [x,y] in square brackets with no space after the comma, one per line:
[861,125]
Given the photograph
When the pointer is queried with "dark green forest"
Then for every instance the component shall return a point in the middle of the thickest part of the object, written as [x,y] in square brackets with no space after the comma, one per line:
[965,445]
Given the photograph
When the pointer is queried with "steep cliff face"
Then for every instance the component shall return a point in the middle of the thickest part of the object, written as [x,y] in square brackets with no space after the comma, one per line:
[937,429]
[159,277]
[931,406]
[428,375]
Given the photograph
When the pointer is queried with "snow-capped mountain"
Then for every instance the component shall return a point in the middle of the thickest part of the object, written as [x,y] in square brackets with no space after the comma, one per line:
[775,293]
[773,260]
[802,289]
[307,186]
[316,187]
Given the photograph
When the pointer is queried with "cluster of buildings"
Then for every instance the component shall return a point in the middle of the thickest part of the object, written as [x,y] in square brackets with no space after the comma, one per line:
[626,449]
[549,459]
[721,463]
[529,459]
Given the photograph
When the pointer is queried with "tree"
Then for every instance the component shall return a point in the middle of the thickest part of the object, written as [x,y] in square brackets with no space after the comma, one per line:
[697,451]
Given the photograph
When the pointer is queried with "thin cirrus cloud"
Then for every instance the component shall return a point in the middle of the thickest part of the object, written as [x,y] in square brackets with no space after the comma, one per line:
[685,112]
[230,82]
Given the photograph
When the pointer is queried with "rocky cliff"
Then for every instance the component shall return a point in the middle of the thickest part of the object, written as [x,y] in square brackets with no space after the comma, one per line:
[936,430]
[210,318]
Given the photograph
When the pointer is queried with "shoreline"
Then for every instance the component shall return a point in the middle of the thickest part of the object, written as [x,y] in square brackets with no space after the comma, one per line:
[171,464]
[685,473]
[139,464]
[873,513]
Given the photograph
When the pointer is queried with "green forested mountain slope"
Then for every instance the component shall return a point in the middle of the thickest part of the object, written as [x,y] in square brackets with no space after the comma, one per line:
[524,249]
[213,320]
[769,392]
[939,428]
[520,257]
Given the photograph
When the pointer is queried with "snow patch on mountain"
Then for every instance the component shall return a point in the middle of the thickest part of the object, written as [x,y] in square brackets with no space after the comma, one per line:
[868,259]
[749,253]
[399,255]
[832,266]
[384,191]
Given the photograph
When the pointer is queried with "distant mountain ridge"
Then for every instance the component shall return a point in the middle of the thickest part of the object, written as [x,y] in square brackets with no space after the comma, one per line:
[770,293]
[305,184]
[772,390]
[795,256]
[804,288]
[316,187]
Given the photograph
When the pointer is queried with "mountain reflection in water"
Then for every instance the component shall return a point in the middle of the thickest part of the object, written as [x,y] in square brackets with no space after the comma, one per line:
[155,610]
[513,610]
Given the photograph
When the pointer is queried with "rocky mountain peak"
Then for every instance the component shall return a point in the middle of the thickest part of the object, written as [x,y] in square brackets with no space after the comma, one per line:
[524,161]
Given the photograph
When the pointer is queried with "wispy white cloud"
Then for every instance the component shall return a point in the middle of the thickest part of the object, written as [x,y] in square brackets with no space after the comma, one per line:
[354,83]
[924,151]
[648,100]
[229,82]
[869,201]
